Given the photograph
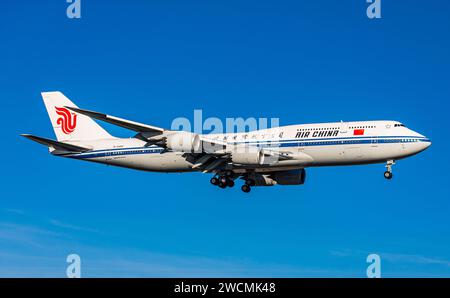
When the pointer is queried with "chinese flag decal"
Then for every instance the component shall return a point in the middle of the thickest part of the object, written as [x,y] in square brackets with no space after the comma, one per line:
[358,132]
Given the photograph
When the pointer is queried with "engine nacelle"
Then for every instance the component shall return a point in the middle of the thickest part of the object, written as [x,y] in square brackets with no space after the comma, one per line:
[293,177]
[184,142]
[256,157]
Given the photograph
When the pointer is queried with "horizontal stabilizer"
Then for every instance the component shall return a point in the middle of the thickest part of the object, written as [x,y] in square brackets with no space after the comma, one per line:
[55,144]
[136,126]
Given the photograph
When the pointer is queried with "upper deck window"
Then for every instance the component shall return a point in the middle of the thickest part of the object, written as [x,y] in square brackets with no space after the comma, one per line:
[398,125]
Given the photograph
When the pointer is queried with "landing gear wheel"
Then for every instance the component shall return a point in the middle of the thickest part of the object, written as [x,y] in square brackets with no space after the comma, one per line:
[223,180]
[388,175]
[246,188]
[230,183]
[214,181]
[222,185]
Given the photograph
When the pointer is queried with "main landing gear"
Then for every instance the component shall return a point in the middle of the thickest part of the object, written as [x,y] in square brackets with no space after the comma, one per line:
[226,179]
[246,188]
[247,185]
[223,180]
[388,174]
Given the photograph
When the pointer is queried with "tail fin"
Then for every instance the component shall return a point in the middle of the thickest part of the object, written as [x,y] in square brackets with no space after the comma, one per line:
[68,125]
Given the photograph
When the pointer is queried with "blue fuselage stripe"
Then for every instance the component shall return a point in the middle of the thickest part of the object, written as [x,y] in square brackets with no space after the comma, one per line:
[262,143]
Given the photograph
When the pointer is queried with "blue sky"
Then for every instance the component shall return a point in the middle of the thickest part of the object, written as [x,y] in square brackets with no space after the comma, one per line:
[300,61]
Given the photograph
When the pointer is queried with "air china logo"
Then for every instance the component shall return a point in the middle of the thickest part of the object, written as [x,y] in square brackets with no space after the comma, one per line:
[67,120]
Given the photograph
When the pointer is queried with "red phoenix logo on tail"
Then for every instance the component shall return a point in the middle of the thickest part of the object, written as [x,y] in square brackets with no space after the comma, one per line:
[67,120]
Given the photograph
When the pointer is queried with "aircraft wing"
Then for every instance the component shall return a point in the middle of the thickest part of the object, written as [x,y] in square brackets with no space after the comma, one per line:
[217,153]
[281,155]
[136,126]
[214,146]
[55,144]
[221,147]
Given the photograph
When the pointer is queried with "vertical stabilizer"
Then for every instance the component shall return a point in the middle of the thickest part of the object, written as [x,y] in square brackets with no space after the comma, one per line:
[69,125]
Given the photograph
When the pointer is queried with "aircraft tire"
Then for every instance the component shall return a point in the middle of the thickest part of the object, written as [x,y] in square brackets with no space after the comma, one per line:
[246,188]
[388,175]
[214,181]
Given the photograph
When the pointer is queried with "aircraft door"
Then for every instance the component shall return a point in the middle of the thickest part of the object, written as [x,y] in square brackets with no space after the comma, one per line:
[344,127]
[343,131]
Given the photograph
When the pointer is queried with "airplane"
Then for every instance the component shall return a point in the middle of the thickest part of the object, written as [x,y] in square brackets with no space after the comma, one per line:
[264,157]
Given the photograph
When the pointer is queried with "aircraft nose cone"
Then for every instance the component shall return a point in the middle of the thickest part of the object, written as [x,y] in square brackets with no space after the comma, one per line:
[426,142]
[423,143]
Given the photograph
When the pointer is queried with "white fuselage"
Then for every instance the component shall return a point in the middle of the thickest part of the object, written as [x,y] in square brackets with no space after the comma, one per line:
[339,143]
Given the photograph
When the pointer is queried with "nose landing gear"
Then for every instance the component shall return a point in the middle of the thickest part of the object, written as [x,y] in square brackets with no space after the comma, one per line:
[388,174]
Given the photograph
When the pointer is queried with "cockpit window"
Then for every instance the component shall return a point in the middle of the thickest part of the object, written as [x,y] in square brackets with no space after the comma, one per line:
[399,124]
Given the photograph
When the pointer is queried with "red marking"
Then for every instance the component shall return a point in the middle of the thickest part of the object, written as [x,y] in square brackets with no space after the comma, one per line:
[358,132]
[68,120]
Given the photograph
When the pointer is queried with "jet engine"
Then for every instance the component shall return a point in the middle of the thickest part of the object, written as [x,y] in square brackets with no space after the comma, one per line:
[255,157]
[184,141]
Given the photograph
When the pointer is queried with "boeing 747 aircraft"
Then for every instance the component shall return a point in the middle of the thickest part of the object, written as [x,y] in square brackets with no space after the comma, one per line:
[260,158]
